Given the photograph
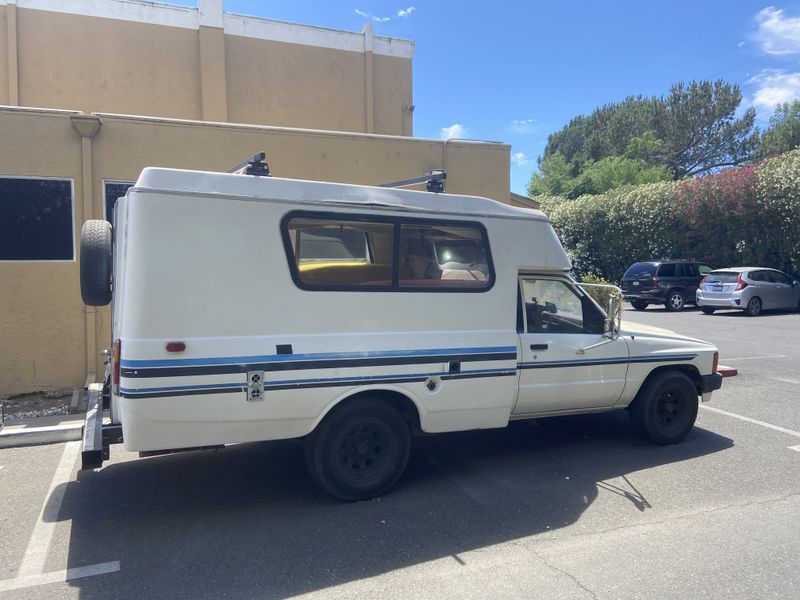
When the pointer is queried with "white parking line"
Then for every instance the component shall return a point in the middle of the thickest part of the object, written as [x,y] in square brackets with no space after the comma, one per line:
[58,576]
[39,544]
[749,420]
[31,571]
[795,447]
[756,357]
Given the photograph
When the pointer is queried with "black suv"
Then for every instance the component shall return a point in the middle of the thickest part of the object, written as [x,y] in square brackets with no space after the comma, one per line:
[672,283]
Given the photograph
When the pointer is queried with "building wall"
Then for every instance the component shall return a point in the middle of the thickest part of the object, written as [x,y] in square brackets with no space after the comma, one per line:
[131,57]
[49,338]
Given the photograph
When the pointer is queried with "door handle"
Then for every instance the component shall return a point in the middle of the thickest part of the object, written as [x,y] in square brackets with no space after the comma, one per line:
[538,346]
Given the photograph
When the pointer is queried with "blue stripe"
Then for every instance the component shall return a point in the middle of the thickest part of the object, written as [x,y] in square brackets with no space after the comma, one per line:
[267,384]
[234,360]
[606,361]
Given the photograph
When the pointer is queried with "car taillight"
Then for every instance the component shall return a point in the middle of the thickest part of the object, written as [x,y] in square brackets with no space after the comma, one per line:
[704,279]
[115,376]
[655,282]
[715,364]
[740,283]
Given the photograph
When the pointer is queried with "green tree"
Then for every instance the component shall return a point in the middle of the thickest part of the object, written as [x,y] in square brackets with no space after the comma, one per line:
[692,130]
[783,133]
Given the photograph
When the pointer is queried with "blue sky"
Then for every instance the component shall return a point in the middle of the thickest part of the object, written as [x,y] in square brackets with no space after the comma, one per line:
[518,71]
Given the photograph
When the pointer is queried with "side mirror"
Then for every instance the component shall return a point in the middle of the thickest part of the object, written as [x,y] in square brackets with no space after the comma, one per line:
[614,318]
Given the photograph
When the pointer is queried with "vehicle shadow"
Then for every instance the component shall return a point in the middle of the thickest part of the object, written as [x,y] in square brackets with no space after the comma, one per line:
[248,521]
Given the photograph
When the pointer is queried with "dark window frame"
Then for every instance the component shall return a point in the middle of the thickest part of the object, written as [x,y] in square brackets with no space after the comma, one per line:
[587,304]
[73,234]
[397,222]
[104,183]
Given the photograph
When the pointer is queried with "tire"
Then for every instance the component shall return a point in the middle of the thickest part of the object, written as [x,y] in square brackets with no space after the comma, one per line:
[95,262]
[665,409]
[708,310]
[753,307]
[359,451]
[675,301]
[639,304]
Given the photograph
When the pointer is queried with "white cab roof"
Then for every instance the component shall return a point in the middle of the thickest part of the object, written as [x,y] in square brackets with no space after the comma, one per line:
[315,193]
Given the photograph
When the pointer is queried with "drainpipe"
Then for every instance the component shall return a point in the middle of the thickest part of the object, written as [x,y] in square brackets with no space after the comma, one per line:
[87,126]
[13,63]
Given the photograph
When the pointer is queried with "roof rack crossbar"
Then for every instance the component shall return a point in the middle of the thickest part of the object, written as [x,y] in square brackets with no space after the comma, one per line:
[255,165]
[434,181]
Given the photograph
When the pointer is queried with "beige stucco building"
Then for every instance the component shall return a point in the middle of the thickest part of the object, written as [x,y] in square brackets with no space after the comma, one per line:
[119,85]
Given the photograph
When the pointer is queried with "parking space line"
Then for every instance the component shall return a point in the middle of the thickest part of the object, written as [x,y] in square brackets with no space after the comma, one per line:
[756,357]
[58,576]
[797,448]
[39,544]
[749,420]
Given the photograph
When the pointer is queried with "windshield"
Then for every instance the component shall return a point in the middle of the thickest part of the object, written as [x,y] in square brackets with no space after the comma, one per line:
[641,270]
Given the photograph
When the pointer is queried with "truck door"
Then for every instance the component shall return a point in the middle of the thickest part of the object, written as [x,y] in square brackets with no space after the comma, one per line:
[558,322]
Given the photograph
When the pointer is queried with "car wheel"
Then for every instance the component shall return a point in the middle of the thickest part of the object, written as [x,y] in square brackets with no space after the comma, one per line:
[639,304]
[665,409]
[359,451]
[95,262]
[753,307]
[707,310]
[675,301]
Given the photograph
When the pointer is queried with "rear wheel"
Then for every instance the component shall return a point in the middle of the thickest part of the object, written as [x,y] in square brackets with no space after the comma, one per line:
[639,304]
[708,310]
[95,262]
[359,451]
[665,409]
[675,300]
[753,307]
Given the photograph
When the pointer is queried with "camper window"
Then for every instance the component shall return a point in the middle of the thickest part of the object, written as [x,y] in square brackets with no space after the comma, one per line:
[328,252]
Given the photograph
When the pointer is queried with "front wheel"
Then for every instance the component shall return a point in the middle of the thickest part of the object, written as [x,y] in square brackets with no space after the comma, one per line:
[708,310]
[639,304]
[359,451]
[675,301]
[665,410]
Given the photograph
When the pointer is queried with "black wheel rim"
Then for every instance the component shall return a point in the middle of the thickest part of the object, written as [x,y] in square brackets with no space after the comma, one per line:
[362,449]
[671,410]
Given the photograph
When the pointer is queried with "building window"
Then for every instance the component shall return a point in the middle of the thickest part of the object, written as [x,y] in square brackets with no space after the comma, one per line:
[112,190]
[354,252]
[36,220]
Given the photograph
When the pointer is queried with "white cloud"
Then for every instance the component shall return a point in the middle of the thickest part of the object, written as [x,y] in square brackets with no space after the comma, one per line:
[773,87]
[523,126]
[403,12]
[520,159]
[456,130]
[777,33]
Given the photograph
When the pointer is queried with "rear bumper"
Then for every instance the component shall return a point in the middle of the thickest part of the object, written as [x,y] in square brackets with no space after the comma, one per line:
[730,302]
[657,296]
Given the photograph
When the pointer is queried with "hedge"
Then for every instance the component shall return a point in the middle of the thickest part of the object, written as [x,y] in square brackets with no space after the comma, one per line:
[744,216]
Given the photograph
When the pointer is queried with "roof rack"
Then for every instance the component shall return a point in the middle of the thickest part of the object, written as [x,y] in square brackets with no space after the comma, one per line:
[255,165]
[434,181]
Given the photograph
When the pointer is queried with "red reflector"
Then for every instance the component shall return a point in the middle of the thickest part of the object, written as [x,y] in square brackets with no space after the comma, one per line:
[176,346]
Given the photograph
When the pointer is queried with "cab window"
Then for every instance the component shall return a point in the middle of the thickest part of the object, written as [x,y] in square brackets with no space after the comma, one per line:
[553,306]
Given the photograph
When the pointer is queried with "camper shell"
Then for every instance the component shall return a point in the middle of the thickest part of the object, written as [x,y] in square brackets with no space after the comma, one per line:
[251,308]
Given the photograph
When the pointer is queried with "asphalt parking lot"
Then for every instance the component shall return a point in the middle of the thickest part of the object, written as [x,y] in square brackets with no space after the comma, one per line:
[566,508]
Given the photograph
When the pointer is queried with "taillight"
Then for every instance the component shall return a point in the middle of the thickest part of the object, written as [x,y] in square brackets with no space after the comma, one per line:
[115,376]
[655,282]
[715,364]
[740,283]
[704,279]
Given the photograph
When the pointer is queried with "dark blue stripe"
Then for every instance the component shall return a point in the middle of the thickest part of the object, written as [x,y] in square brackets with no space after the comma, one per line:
[605,361]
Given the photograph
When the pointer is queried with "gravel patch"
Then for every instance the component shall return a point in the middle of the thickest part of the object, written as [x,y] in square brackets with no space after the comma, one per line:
[38,404]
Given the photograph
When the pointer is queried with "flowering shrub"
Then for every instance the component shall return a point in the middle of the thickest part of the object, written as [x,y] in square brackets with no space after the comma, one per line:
[740,216]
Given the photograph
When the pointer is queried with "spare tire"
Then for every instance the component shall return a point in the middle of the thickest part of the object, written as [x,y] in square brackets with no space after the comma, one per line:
[96,262]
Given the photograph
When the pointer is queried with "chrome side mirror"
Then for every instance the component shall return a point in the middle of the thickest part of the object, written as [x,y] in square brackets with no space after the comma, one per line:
[613,318]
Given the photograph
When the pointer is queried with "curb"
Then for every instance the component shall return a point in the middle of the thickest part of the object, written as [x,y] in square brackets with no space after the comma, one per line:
[12,437]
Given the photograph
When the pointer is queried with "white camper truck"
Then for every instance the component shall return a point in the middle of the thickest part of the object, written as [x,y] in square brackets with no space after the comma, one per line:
[256,308]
